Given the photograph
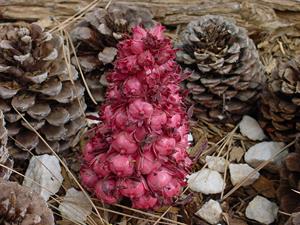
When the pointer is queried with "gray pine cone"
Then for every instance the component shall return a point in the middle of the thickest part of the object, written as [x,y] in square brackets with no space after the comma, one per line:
[280,103]
[4,156]
[227,75]
[35,80]
[19,205]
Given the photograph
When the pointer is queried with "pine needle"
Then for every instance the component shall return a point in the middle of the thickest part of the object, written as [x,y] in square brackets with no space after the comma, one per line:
[75,17]
[262,165]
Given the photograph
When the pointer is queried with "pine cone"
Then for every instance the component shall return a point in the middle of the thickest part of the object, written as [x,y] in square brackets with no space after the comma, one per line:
[294,219]
[4,156]
[227,73]
[96,38]
[19,205]
[34,79]
[280,102]
[289,189]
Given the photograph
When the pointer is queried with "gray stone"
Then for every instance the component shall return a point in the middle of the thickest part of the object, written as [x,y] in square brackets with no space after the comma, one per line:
[43,175]
[250,128]
[211,212]
[216,163]
[264,151]
[239,172]
[262,210]
[206,181]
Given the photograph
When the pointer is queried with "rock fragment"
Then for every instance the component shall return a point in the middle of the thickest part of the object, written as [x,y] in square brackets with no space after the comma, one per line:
[239,172]
[250,128]
[43,175]
[262,210]
[216,163]
[211,212]
[206,181]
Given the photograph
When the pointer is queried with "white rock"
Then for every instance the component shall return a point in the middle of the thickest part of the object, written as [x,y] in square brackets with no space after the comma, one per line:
[211,212]
[216,163]
[75,206]
[91,122]
[262,210]
[250,128]
[206,181]
[190,138]
[43,175]
[239,172]
[264,151]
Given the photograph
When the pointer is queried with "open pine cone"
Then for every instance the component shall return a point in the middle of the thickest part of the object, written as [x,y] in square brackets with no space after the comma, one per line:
[4,156]
[289,189]
[280,102]
[97,36]
[227,74]
[35,80]
[19,205]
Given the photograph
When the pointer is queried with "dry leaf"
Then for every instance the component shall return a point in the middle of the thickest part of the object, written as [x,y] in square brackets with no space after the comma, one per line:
[236,154]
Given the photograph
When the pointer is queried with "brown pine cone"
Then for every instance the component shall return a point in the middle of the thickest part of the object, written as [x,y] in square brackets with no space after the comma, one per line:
[19,205]
[288,192]
[294,219]
[35,80]
[96,39]
[4,156]
[280,102]
[227,75]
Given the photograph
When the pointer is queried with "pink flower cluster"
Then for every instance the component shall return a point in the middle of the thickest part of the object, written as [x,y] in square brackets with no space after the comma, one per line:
[139,149]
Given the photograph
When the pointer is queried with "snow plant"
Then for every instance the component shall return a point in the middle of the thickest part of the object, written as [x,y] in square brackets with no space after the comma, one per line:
[138,151]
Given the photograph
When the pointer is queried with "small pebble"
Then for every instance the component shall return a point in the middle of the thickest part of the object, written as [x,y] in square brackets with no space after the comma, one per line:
[190,138]
[43,175]
[211,212]
[264,151]
[206,181]
[250,128]
[262,210]
[239,172]
[216,163]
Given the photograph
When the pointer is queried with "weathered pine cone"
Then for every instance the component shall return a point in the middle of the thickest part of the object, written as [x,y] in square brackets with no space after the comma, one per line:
[288,192]
[97,36]
[19,205]
[227,75]
[36,81]
[4,156]
[280,102]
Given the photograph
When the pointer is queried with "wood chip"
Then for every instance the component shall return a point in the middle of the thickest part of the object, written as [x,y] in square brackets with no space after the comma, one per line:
[236,154]
[265,187]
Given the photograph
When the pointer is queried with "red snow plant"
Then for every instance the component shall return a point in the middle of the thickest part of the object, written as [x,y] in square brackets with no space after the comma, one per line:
[138,151]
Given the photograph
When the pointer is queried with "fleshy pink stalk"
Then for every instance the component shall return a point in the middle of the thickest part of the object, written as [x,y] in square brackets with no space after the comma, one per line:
[139,149]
